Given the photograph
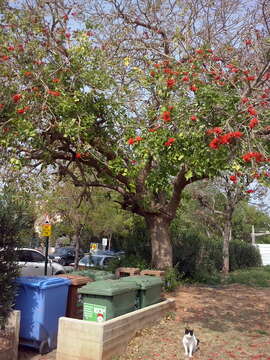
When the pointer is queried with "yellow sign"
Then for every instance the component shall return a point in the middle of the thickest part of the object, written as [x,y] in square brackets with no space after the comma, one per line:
[46,230]
[93,246]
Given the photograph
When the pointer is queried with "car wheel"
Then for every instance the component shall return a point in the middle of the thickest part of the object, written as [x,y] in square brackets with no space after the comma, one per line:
[59,273]
[44,347]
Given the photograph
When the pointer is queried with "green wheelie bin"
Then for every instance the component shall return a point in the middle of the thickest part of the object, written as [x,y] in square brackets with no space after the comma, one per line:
[150,287]
[107,299]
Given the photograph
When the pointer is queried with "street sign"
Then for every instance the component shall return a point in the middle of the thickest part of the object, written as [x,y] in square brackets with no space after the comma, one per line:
[104,242]
[93,246]
[46,230]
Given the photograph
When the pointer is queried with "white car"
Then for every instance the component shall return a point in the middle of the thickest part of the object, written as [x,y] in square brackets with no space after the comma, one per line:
[32,263]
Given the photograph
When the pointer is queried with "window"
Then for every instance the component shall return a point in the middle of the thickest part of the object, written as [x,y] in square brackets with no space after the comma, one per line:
[24,255]
[37,257]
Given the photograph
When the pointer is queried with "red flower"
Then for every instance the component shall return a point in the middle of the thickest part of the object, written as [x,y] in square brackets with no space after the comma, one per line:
[5,57]
[250,78]
[185,78]
[56,80]
[216,130]
[214,144]
[167,71]
[131,141]
[23,110]
[157,66]
[199,51]
[138,138]
[250,191]
[233,178]
[170,83]
[78,155]
[253,122]
[193,117]
[248,42]
[1,106]
[252,110]
[68,35]
[193,88]
[28,73]
[152,130]
[253,155]
[166,116]
[16,97]
[169,142]
[152,73]
[11,48]
[54,93]
[245,100]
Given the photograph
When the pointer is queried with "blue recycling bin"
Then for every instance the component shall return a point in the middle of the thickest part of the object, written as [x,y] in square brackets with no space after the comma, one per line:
[42,301]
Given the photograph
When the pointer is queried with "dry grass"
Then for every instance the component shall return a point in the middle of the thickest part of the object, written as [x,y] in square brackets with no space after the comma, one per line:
[232,322]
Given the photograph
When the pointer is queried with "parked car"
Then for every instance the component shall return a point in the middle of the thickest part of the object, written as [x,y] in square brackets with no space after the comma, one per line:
[100,261]
[32,263]
[65,255]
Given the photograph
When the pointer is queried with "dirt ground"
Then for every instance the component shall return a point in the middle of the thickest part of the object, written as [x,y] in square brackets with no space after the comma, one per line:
[232,322]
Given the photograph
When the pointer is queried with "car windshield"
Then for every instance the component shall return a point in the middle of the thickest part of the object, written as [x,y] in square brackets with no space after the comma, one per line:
[61,251]
[94,260]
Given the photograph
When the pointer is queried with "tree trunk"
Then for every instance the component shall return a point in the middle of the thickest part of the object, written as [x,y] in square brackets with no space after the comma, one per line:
[226,244]
[159,230]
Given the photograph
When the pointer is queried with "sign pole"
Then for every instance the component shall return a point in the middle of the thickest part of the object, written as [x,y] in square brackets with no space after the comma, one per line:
[46,232]
[46,254]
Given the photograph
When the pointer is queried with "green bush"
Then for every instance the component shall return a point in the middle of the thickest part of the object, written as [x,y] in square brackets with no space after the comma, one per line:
[13,219]
[128,261]
[200,258]
[172,279]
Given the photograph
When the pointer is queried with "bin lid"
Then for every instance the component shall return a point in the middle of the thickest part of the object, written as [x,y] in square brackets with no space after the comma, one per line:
[76,279]
[41,282]
[143,281]
[108,288]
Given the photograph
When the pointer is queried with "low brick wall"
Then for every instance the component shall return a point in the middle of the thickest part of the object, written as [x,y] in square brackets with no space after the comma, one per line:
[85,340]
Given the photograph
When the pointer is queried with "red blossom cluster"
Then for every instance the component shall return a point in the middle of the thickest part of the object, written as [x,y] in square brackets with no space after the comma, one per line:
[23,110]
[16,97]
[132,141]
[253,122]
[54,93]
[233,178]
[224,139]
[215,130]
[171,83]
[250,191]
[169,142]
[257,156]
[166,116]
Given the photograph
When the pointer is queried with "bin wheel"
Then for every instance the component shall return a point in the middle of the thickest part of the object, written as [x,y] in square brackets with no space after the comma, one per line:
[44,347]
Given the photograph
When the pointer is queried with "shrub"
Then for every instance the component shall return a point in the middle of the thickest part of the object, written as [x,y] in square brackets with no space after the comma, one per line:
[172,279]
[200,258]
[12,221]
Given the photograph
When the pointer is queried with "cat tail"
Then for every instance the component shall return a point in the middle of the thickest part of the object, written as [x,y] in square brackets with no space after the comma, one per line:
[198,342]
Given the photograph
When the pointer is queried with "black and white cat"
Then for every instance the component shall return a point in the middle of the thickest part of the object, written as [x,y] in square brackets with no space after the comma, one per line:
[190,342]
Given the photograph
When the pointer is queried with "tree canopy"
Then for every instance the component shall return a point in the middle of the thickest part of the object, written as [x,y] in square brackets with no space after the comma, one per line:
[142,98]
